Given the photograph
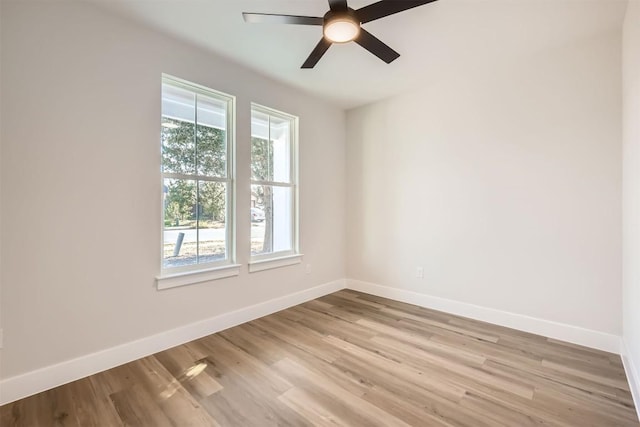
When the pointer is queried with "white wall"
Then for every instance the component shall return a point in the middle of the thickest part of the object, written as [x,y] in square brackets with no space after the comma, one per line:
[1,330]
[80,180]
[502,180]
[631,193]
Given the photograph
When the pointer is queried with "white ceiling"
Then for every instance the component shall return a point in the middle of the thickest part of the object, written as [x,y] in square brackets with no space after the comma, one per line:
[432,39]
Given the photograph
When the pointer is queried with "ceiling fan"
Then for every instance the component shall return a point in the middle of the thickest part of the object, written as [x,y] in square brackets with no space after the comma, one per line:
[342,24]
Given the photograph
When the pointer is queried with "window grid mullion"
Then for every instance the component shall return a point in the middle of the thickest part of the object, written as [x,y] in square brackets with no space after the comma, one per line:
[195,177]
[270,173]
[195,164]
[273,183]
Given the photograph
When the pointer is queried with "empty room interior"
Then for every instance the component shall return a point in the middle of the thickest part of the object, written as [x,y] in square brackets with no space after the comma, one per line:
[315,213]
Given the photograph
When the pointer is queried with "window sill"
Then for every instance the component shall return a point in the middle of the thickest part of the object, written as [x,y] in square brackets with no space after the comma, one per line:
[199,276]
[267,264]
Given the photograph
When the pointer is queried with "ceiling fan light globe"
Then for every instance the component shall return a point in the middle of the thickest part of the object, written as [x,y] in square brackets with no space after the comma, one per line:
[341,30]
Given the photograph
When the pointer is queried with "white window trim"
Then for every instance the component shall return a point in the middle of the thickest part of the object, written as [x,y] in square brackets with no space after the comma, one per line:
[192,277]
[260,262]
[198,273]
[274,262]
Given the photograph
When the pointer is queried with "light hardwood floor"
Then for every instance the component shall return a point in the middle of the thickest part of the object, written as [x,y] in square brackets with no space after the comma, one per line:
[349,359]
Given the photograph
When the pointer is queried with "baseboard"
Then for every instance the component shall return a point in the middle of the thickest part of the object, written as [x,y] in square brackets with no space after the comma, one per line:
[632,376]
[33,382]
[547,328]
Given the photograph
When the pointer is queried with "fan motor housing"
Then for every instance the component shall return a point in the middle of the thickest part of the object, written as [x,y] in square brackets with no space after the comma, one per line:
[341,26]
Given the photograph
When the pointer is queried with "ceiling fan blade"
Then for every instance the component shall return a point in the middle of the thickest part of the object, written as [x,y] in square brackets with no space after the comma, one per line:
[268,18]
[338,5]
[387,7]
[317,53]
[375,46]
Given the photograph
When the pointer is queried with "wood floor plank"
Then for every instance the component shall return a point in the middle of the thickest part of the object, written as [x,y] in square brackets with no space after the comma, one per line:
[412,413]
[136,407]
[456,372]
[305,404]
[242,405]
[546,378]
[327,325]
[391,360]
[189,370]
[255,341]
[435,398]
[357,410]
[298,336]
[231,359]
[579,412]
[605,377]
[349,359]
[98,412]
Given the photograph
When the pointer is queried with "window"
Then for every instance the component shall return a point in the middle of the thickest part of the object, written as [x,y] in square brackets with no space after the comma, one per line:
[197,175]
[274,191]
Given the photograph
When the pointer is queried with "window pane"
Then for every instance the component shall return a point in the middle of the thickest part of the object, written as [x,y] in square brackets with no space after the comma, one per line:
[261,160]
[280,146]
[261,153]
[259,221]
[270,148]
[211,138]
[178,130]
[275,232]
[180,237]
[259,125]
[212,221]
[282,219]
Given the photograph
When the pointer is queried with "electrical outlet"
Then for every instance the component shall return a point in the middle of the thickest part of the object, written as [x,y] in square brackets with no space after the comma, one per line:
[420,273]
[307,269]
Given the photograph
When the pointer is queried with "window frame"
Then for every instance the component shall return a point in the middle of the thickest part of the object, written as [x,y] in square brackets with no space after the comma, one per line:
[200,272]
[292,256]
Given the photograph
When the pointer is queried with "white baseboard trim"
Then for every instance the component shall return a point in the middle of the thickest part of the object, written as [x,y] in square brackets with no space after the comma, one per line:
[547,328]
[632,376]
[33,382]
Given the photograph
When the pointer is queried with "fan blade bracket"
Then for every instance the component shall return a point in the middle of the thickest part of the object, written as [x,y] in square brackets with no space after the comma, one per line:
[338,5]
